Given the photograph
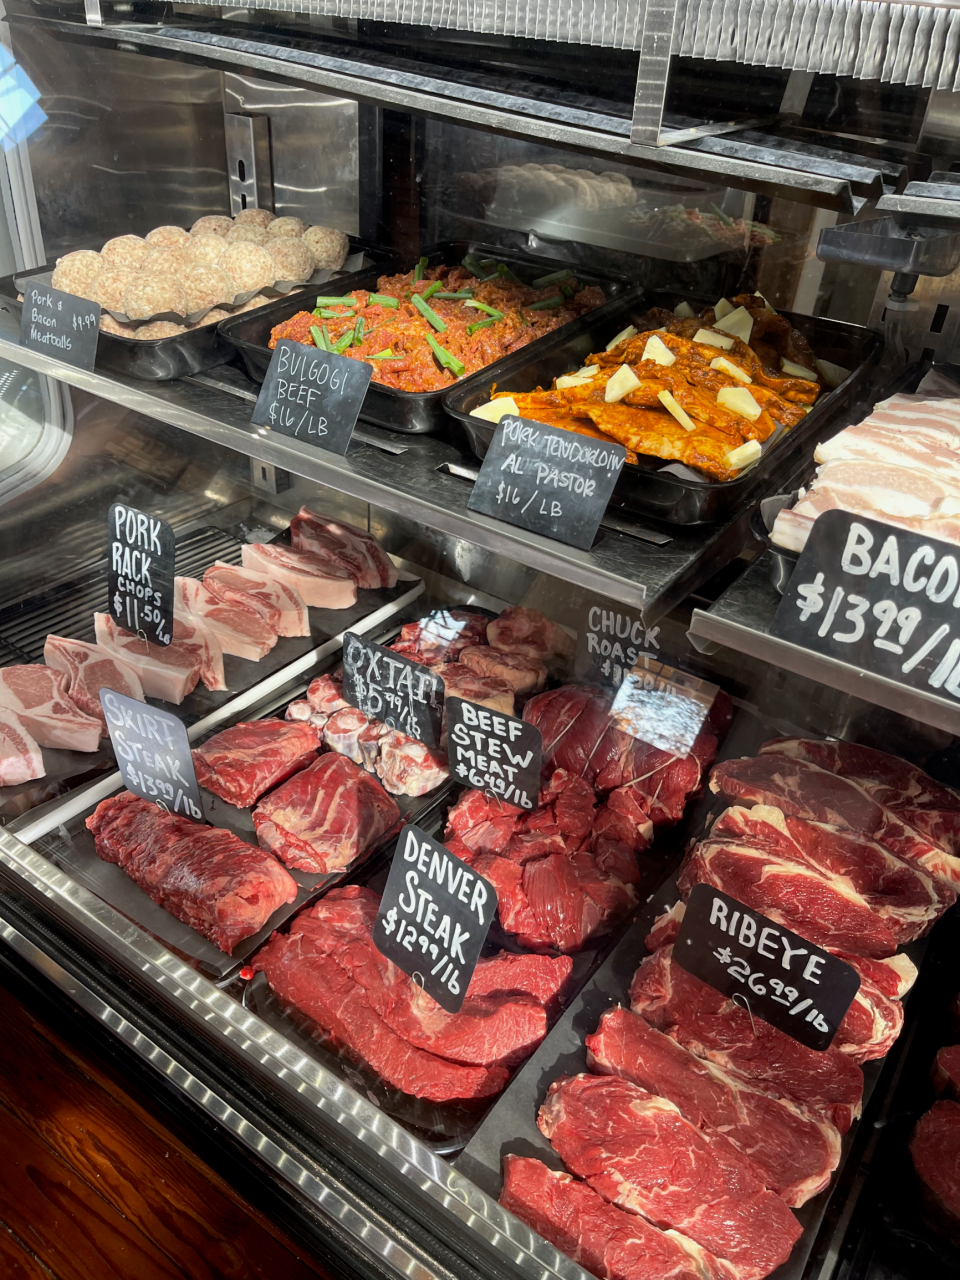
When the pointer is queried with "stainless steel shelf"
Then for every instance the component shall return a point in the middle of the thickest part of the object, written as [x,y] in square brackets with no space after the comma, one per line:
[741,620]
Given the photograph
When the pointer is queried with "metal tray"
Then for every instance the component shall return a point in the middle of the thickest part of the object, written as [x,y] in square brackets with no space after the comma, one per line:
[650,488]
[413,411]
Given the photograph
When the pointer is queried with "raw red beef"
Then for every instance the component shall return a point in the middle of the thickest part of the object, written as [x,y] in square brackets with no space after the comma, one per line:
[441,636]
[487,691]
[624,819]
[713,1027]
[900,787]
[407,767]
[325,694]
[359,551]
[488,1031]
[638,1152]
[20,757]
[935,1148]
[794,1151]
[325,816]
[803,790]
[484,823]
[513,973]
[37,695]
[530,633]
[243,762]
[210,879]
[946,1072]
[603,1239]
[523,675]
[342,731]
[89,669]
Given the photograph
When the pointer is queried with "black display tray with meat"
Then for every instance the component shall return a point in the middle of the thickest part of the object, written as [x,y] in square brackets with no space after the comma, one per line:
[389,407]
[668,1055]
[651,486]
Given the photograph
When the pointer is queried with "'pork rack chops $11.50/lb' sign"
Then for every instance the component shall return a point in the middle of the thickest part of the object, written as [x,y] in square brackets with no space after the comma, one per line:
[312,395]
[769,971]
[494,752]
[388,687]
[153,753]
[883,599]
[547,480]
[434,917]
[141,555]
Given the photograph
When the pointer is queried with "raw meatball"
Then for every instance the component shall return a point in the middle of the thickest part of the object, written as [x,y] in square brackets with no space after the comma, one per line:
[111,284]
[76,272]
[250,266]
[246,233]
[167,235]
[290,228]
[259,217]
[293,259]
[124,251]
[258,301]
[212,317]
[328,246]
[158,329]
[109,325]
[167,258]
[213,224]
[150,295]
[208,249]
[205,286]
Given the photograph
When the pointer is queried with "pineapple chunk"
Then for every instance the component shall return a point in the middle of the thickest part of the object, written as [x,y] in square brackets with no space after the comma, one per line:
[621,384]
[572,380]
[629,332]
[796,370]
[658,351]
[759,295]
[494,410]
[739,400]
[723,365]
[588,371]
[723,308]
[681,415]
[684,311]
[744,456]
[739,323]
[713,339]
[832,374]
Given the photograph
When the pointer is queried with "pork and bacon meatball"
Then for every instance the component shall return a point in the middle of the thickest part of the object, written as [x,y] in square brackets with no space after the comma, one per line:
[246,233]
[250,266]
[124,251]
[158,329]
[151,295]
[167,236]
[76,272]
[111,284]
[109,325]
[292,260]
[208,249]
[168,259]
[328,246]
[287,228]
[259,301]
[206,286]
[259,217]
[212,224]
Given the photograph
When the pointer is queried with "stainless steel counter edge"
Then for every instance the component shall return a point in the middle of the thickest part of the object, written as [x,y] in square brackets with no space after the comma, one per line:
[197,999]
[751,641]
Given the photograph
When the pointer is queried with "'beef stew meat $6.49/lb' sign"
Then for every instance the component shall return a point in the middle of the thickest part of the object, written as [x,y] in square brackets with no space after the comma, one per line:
[312,395]
[547,480]
[141,554]
[153,753]
[434,917]
[886,600]
[494,752]
[388,687]
[769,971]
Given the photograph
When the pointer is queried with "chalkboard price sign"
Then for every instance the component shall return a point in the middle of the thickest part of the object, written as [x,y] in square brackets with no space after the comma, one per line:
[312,395]
[610,639]
[59,324]
[434,917]
[494,752]
[769,971]
[393,689]
[547,480]
[141,558]
[153,753]
[883,599]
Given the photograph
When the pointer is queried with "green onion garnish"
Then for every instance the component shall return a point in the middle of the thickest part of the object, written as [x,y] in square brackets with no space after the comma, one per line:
[555,277]
[457,297]
[385,354]
[349,301]
[383,300]
[476,266]
[504,272]
[480,324]
[326,314]
[431,289]
[482,306]
[547,304]
[428,313]
[523,319]
[418,270]
[341,344]
[321,338]
[567,290]
[358,332]
[456,367]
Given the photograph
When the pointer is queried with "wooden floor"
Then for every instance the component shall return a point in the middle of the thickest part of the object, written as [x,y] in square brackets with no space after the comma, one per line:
[93,1187]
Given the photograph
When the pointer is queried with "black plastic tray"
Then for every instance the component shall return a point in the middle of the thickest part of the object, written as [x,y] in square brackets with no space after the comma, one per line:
[649,488]
[413,411]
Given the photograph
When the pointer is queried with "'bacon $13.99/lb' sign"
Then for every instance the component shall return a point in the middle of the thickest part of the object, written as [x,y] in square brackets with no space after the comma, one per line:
[884,599]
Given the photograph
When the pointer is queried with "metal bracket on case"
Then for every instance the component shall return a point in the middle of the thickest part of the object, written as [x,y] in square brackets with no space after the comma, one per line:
[247,141]
[92,13]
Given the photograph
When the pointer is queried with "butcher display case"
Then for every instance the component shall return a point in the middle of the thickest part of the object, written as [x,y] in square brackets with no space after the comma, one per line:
[215,772]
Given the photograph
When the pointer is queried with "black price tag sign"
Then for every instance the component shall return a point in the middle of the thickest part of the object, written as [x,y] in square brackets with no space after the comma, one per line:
[141,558]
[393,689]
[663,706]
[884,599]
[494,752]
[312,395]
[767,970]
[59,324]
[610,640]
[153,753]
[547,480]
[434,917]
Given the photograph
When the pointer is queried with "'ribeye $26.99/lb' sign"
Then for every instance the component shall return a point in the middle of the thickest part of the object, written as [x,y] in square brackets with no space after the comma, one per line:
[389,687]
[884,599]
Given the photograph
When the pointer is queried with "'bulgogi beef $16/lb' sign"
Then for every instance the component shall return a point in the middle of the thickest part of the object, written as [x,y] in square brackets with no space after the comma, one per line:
[884,599]
[391,688]
[141,555]
[766,969]
[312,395]
[434,917]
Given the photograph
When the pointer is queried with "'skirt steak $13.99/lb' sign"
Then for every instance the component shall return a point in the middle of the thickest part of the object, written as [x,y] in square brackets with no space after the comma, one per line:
[389,687]
[141,557]
[153,753]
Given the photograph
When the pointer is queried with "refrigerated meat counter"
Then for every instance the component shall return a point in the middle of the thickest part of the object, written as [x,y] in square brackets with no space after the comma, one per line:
[715,926]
